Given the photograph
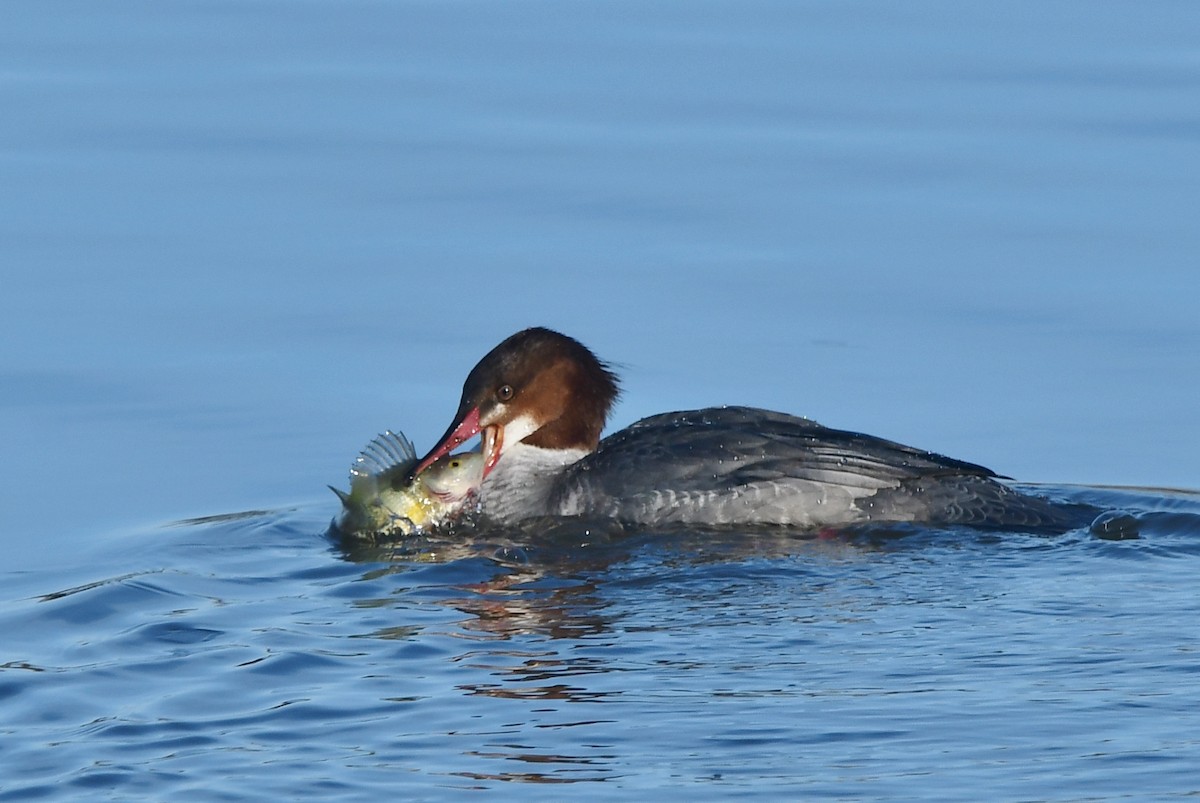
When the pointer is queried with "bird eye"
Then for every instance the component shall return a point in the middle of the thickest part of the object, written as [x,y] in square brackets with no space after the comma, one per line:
[504,392]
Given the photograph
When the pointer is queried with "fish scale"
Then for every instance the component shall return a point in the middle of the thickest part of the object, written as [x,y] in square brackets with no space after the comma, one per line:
[385,501]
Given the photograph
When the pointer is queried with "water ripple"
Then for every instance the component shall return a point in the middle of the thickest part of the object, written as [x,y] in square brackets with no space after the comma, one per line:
[244,648]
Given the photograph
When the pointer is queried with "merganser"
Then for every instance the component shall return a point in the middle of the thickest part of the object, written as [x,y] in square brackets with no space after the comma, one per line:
[540,400]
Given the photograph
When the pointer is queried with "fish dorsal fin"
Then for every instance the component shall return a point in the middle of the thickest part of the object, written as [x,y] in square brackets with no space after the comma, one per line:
[386,452]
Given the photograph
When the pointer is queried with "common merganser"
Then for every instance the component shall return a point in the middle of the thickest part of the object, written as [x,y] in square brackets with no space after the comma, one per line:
[540,400]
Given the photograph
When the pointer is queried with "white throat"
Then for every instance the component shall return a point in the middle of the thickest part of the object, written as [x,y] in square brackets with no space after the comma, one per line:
[519,486]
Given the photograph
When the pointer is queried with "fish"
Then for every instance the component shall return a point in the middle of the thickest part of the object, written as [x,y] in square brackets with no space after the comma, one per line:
[384,502]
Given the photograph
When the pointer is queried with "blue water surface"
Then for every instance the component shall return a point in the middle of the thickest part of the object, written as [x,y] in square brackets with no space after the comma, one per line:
[238,239]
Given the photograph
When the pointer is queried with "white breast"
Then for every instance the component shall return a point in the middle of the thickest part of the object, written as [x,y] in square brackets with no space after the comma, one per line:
[520,484]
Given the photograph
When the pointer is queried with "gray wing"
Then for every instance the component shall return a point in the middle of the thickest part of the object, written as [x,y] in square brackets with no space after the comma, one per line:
[744,465]
[738,445]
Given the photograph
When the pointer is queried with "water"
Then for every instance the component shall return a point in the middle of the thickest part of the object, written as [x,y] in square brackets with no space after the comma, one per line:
[236,241]
[248,657]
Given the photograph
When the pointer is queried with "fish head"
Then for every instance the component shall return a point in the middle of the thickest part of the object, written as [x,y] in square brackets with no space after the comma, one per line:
[453,477]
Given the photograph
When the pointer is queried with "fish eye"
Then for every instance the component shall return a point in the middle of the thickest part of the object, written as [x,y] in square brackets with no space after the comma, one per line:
[504,392]
[454,464]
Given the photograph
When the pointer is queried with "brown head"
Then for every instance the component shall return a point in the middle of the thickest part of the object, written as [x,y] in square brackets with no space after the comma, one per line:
[538,387]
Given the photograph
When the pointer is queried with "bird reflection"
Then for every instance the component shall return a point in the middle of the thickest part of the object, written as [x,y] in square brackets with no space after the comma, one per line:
[549,577]
[549,622]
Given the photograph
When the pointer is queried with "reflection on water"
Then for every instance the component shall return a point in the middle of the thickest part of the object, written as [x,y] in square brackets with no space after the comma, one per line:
[762,662]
